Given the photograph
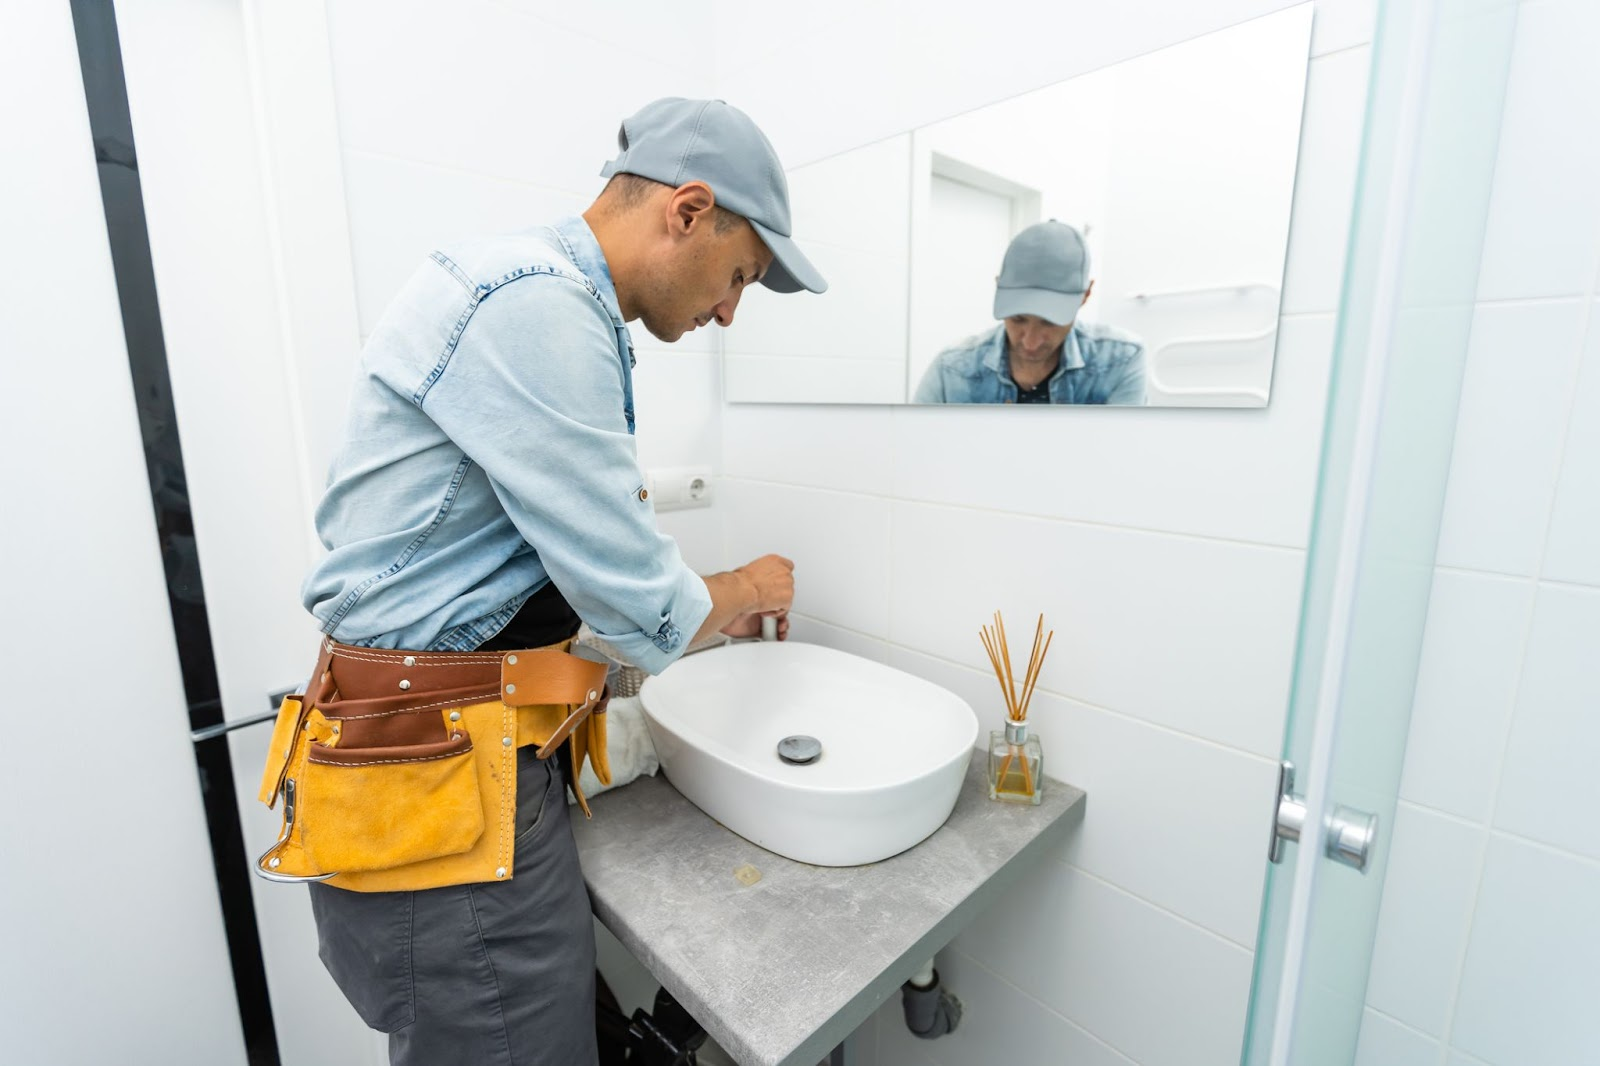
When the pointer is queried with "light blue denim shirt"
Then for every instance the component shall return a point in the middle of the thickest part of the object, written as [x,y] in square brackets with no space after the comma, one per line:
[1099,364]
[489,451]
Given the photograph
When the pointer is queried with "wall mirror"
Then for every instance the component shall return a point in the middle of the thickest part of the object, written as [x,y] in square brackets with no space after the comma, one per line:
[1172,174]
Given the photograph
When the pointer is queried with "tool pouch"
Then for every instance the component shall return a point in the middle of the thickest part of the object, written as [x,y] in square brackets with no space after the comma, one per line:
[414,788]
[374,791]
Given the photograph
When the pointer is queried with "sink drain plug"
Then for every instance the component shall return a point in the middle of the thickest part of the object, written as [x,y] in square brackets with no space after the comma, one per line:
[799,750]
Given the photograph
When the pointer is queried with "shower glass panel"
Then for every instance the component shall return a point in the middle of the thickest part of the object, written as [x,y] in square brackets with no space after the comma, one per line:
[1432,128]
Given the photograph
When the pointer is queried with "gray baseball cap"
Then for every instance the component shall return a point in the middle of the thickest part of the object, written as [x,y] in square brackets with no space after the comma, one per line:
[675,141]
[1045,272]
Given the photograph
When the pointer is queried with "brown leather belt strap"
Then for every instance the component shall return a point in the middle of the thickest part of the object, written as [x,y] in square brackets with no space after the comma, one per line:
[374,680]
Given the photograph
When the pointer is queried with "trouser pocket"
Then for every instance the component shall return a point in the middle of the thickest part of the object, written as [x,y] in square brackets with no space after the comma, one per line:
[364,940]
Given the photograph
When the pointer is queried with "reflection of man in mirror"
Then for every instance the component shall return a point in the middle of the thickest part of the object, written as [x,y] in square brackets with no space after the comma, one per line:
[1040,353]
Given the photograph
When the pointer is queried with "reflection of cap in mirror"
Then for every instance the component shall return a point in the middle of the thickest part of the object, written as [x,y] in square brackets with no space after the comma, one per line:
[1045,273]
[676,141]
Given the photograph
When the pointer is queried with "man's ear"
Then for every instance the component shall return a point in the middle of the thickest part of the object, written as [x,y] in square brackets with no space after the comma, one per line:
[689,206]
[1087,291]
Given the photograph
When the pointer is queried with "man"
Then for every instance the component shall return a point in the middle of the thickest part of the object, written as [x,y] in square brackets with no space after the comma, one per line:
[487,497]
[1040,353]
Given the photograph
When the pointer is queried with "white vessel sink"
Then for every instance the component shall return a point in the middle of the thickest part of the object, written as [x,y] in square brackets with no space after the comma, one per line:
[894,748]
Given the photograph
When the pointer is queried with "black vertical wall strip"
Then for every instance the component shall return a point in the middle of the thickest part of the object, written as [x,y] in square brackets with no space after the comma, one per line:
[106,91]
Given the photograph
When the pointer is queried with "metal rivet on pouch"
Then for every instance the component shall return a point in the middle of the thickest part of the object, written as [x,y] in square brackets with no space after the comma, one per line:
[500,872]
[511,659]
[505,741]
[273,862]
[409,660]
[404,684]
[593,695]
[511,688]
[455,716]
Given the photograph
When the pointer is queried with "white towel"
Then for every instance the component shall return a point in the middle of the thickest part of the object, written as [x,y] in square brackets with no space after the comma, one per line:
[628,744]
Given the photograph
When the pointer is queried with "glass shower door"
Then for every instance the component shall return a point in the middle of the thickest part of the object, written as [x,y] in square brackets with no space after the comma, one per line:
[1432,128]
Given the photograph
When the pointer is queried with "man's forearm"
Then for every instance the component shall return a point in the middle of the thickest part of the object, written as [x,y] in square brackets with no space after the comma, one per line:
[732,595]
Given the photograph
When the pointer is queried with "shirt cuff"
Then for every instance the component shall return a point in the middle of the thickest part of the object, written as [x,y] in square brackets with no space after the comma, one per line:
[654,651]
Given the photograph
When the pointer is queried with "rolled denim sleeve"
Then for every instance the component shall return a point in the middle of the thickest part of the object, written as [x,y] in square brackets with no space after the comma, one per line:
[534,392]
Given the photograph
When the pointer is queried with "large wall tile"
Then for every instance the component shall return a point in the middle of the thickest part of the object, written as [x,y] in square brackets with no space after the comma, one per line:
[1532,975]
[1174,820]
[481,87]
[698,533]
[401,211]
[1385,1042]
[1000,1023]
[837,541]
[677,408]
[1509,433]
[1548,789]
[845,448]
[1157,989]
[1193,634]
[1422,924]
[808,630]
[1543,235]
[1239,474]
[1466,687]
[1573,550]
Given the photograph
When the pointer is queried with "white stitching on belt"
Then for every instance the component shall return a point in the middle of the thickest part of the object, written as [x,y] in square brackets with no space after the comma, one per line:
[399,658]
[488,697]
[377,762]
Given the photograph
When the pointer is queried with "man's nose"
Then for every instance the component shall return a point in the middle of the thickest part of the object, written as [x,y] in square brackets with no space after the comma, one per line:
[723,312]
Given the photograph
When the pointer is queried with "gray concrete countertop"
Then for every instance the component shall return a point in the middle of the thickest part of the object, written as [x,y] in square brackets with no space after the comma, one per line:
[782,969]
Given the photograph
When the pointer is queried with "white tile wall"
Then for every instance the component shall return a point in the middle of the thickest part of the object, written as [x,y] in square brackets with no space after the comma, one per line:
[1548,788]
[1385,1042]
[1532,974]
[1218,616]
[1545,215]
[1429,889]
[1509,437]
[1575,523]
[1466,687]
[1488,930]
[1166,548]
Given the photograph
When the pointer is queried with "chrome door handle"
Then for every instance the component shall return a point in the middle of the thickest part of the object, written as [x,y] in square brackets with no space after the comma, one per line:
[1350,833]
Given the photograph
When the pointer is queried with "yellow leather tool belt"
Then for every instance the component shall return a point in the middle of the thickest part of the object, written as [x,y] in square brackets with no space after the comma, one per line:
[398,769]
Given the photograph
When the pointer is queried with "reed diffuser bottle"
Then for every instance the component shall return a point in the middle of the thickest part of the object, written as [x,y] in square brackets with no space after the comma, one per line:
[1016,759]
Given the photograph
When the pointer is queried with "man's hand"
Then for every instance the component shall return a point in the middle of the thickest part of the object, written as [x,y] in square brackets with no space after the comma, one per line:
[739,598]
[772,579]
[749,625]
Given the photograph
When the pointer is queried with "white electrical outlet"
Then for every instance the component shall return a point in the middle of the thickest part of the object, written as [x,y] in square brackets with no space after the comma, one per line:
[674,488]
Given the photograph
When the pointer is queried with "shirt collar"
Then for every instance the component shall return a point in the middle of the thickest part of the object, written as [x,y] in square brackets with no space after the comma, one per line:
[579,241]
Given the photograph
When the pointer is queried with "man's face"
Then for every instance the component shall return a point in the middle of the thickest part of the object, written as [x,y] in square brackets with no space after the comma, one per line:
[1034,339]
[701,279]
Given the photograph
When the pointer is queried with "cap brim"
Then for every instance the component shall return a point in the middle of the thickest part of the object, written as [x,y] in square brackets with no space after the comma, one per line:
[1058,308]
[790,271]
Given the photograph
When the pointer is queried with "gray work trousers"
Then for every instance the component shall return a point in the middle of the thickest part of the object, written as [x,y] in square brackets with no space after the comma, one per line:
[499,973]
